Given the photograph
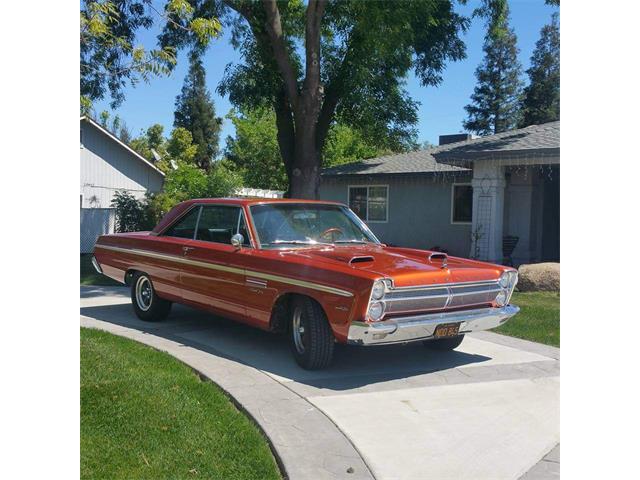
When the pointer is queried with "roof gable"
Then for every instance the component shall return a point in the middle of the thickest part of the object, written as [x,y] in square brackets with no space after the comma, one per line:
[100,128]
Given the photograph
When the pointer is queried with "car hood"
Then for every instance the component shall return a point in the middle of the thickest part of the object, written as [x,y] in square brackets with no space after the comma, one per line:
[407,267]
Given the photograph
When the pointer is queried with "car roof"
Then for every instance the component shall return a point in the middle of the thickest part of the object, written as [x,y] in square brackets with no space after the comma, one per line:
[182,207]
[257,201]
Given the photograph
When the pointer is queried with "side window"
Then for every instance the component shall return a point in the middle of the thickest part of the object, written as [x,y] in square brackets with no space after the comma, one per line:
[462,204]
[186,227]
[218,223]
[370,203]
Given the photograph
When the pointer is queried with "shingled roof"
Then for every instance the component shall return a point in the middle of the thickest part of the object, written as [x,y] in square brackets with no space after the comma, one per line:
[539,140]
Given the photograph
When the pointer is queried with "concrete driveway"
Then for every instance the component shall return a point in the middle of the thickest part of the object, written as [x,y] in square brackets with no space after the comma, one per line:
[489,410]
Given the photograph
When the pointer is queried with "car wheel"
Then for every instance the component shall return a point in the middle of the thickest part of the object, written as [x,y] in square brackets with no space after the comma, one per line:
[310,335]
[444,343]
[146,303]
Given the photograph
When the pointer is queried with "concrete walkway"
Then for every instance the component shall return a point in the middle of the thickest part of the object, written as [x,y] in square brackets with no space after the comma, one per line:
[489,410]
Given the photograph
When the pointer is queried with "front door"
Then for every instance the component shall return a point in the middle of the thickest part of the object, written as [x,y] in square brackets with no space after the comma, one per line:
[211,277]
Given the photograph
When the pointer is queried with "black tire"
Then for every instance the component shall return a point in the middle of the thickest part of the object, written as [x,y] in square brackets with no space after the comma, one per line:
[312,347]
[444,343]
[146,303]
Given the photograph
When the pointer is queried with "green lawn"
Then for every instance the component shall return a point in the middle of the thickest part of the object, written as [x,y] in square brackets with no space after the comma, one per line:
[144,415]
[89,276]
[538,320]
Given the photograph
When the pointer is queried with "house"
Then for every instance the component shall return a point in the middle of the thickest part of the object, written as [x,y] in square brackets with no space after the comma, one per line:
[471,197]
[107,165]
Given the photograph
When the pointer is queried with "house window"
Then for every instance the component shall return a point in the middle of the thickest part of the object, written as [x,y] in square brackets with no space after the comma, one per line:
[461,203]
[370,203]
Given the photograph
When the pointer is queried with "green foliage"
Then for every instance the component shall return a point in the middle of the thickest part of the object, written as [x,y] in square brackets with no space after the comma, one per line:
[346,145]
[196,113]
[109,59]
[541,102]
[187,182]
[115,125]
[131,214]
[254,150]
[151,139]
[495,102]
[180,146]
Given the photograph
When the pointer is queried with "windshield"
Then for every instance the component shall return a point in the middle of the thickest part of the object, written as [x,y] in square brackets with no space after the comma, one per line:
[301,224]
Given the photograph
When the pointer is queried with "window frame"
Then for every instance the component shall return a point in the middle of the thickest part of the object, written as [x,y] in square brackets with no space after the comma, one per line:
[243,214]
[453,202]
[368,186]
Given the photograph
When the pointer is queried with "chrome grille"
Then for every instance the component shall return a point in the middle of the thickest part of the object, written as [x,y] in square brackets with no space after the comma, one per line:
[440,297]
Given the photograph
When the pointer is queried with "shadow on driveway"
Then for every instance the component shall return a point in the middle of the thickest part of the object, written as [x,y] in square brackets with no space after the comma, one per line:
[352,367]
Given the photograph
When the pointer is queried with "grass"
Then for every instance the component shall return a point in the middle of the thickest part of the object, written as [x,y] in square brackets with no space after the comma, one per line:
[538,320]
[89,276]
[145,415]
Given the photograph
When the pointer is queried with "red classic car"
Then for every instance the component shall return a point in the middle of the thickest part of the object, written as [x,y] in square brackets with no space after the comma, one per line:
[310,269]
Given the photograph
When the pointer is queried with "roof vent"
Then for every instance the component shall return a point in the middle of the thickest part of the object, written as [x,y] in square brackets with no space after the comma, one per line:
[454,137]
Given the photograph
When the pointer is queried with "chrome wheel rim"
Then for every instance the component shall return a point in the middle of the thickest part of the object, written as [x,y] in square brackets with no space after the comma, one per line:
[144,293]
[298,331]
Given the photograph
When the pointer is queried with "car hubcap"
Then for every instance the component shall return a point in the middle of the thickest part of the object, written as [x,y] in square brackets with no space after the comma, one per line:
[144,293]
[299,336]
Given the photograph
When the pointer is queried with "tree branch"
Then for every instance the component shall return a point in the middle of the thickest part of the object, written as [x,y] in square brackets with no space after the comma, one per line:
[333,92]
[274,30]
[315,10]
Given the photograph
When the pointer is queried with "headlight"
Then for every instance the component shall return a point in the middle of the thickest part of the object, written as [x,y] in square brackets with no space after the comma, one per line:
[377,291]
[508,279]
[501,298]
[376,310]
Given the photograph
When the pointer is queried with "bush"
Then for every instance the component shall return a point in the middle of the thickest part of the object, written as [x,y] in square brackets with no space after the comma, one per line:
[131,213]
[184,183]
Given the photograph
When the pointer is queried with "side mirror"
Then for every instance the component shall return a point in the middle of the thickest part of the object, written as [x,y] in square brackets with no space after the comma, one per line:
[237,240]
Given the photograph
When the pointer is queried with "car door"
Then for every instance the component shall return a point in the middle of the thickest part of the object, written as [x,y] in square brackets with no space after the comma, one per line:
[166,266]
[211,278]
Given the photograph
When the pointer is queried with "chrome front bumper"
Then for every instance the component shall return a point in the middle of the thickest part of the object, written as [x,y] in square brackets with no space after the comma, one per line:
[421,327]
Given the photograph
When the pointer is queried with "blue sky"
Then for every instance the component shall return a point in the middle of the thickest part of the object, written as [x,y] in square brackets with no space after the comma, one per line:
[441,110]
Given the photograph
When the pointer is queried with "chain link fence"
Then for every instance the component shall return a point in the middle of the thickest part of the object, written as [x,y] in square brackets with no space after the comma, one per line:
[93,223]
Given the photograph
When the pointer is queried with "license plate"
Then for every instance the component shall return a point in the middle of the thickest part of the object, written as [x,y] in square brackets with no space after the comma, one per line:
[446,330]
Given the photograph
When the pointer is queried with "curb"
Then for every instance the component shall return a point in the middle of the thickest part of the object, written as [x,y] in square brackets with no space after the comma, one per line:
[304,441]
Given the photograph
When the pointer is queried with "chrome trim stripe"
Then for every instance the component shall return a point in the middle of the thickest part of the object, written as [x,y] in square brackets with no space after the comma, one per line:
[445,285]
[223,268]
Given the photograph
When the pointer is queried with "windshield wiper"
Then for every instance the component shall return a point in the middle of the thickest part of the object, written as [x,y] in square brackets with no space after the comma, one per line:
[352,241]
[297,242]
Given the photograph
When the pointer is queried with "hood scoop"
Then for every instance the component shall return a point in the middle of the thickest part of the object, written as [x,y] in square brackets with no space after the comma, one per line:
[361,259]
[439,257]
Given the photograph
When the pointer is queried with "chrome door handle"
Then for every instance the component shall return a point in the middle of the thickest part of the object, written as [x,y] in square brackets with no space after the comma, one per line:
[186,249]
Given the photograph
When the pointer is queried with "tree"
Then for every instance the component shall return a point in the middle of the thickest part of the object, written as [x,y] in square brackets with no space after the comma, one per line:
[254,149]
[255,153]
[115,125]
[495,102]
[108,58]
[187,182]
[318,62]
[196,113]
[346,145]
[151,140]
[541,102]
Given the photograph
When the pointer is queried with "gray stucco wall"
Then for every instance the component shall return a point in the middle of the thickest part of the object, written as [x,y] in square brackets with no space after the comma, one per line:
[106,166]
[419,210]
